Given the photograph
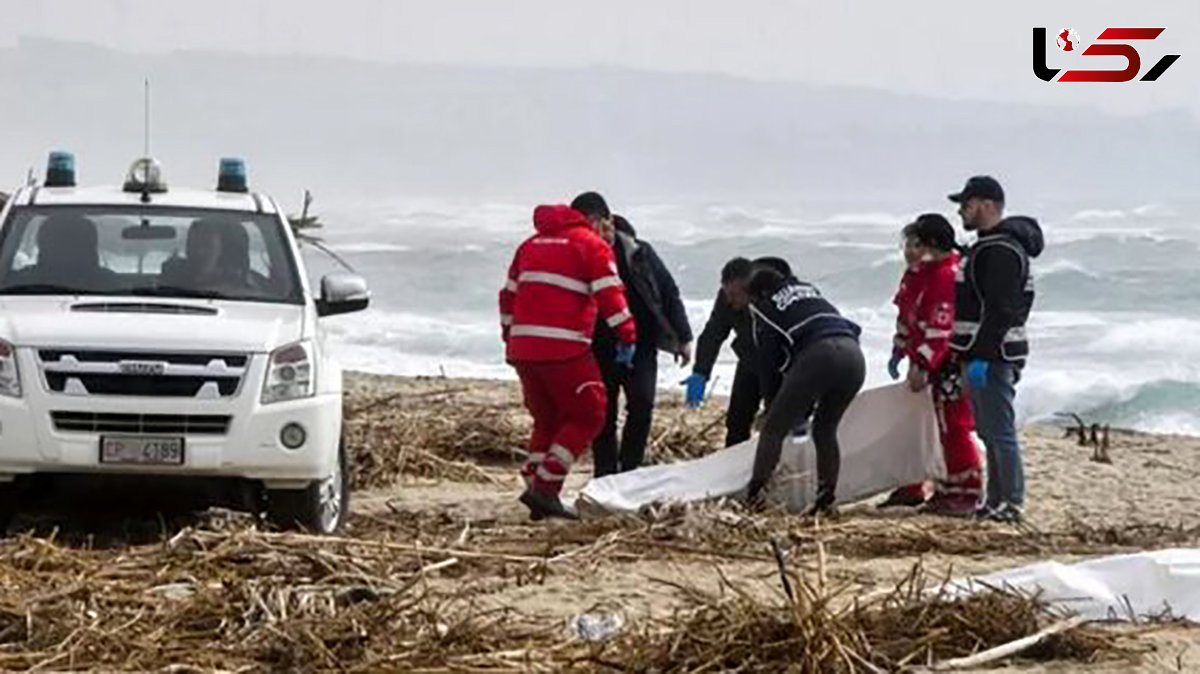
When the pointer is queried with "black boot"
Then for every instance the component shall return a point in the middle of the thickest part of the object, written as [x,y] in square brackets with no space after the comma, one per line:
[756,499]
[823,505]
[545,505]
[901,498]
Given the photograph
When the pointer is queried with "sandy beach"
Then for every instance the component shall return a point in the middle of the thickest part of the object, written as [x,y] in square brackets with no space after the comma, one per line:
[440,569]
[1077,508]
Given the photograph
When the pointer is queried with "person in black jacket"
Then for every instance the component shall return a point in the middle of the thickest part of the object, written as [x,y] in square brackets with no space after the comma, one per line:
[662,324]
[993,298]
[810,363]
[745,397]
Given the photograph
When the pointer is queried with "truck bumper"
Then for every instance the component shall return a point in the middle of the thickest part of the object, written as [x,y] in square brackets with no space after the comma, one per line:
[251,448]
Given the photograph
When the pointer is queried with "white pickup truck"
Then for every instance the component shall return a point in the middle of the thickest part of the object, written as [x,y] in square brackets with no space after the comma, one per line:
[149,332]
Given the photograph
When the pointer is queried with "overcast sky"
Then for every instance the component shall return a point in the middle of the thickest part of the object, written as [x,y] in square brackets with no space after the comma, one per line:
[946,48]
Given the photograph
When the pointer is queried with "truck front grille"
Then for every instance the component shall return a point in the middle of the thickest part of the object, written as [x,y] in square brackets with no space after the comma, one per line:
[139,385]
[83,372]
[141,424]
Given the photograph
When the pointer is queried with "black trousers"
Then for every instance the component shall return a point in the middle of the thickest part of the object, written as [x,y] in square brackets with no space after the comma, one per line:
[744,400]
[639,384]
[822,381]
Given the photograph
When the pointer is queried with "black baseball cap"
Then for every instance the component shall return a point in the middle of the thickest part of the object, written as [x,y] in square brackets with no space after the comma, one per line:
[984,187]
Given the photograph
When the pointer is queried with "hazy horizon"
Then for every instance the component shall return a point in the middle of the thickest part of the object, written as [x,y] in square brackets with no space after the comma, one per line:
[354,129]
[936,47]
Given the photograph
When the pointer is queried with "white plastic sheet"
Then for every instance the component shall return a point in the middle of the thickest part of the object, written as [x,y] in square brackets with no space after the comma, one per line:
[1120,587]
[888,438]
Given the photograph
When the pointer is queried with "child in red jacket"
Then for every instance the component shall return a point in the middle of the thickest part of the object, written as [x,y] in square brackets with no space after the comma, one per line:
[925,302]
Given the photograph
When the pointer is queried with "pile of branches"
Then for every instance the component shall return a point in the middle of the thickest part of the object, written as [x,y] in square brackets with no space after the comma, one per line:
[448,434]
[813,629]
[409,593]
[680,434]
[238,596]
[870,538]
[438,434]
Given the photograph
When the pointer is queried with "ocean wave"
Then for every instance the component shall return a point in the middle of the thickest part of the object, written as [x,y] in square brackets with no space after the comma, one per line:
[1063,266]
[370,247]
[1045,319]
[1092,214]
[1176,337]
[871,218]
[856,245]
[1124,377]
[1162,406]
[471,336]
[1154,210]
[1103,214]
[1116,236]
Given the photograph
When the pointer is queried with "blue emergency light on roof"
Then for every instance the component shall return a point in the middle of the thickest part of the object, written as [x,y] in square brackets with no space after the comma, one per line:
[231,176]
[145,176]
[60,169]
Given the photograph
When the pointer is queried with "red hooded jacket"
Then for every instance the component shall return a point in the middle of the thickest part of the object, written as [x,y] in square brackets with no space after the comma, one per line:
[558,281]
[926,312]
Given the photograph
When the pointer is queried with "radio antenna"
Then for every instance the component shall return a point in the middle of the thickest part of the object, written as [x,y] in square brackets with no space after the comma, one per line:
[147,118]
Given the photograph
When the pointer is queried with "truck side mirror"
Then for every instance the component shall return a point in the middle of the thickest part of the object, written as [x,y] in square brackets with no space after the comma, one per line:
[343,293]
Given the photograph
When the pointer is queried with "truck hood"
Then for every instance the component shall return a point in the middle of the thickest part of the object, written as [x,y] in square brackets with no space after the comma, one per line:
[158,324]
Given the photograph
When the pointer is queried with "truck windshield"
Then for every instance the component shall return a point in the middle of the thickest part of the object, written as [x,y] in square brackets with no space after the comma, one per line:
[150,251]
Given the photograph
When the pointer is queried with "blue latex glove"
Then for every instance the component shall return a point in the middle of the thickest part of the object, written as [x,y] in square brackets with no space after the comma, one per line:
[695,390]
[977,374]
[625,353]
[894,364]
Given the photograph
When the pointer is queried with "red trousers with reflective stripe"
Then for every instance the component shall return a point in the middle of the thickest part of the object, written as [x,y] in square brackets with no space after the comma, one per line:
[567,400]
[964,466]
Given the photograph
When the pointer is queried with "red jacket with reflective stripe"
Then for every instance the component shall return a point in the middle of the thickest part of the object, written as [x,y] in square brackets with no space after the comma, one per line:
[926,316]
[559,280]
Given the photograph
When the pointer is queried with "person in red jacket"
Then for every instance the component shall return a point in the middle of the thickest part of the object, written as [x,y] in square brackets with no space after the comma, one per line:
[561,280]
[923,327]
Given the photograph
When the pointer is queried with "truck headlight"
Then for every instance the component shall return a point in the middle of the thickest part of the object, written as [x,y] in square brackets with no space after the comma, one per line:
[290,374]
[10,381]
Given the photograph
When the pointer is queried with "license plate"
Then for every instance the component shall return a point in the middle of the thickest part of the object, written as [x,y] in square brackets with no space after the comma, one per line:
[144,450]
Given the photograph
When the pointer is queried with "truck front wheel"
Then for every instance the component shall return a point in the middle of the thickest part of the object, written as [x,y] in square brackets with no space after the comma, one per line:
[321,507]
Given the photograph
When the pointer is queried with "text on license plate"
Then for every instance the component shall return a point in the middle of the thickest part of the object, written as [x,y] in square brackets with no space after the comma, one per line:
[141,450]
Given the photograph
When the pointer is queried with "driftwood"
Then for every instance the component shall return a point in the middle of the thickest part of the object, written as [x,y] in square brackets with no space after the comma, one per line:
[1096,436]
[1100,454]
[1010,649]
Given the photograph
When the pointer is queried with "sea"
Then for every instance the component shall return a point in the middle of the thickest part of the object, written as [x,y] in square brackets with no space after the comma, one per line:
[1115,330]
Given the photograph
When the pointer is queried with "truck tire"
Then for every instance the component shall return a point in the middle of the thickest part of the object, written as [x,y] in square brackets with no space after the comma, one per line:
[9,506]
[321,507]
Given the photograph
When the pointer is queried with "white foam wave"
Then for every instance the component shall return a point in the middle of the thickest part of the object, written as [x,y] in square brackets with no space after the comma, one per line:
[871,218]
[856,245]
[1063,266]
[1175,423]
[1040,320]
[1154,210]
[1178,338]
[370,247]
[1056,237]
[1092,214]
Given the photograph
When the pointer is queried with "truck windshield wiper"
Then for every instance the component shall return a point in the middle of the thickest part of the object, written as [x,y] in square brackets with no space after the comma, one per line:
[46,289]
[178,291]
